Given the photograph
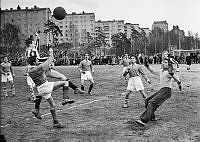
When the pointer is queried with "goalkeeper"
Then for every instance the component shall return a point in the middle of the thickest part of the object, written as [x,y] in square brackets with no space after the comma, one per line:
[158,98]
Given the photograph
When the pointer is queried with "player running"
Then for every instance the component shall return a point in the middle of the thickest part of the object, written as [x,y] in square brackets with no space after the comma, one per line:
[134,82]
[7,75]
[85,68]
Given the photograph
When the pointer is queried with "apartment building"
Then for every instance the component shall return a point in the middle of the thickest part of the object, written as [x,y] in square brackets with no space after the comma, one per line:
[29,20]
[110,27]
[161,24]
[147,31]
[76,27]
[128,28]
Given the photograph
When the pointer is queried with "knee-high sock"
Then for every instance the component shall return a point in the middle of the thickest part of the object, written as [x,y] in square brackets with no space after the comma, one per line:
[90,88]
[72,85]
[82,87]
[4,89]
[37,102]
[65,92]
[54,115]
[126,99]
[13,89]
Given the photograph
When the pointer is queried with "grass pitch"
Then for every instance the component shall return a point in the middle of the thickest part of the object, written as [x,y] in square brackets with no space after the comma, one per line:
[101,117]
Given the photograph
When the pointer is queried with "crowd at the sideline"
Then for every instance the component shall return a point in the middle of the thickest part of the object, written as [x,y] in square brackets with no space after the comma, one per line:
[111,60]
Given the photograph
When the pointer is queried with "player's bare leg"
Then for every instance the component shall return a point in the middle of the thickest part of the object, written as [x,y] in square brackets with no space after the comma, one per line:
[82,84]
[56,123]
[55,74]
[143,94]
[4,89]
[91,86]
[12,88]
[36,112]
[127,93]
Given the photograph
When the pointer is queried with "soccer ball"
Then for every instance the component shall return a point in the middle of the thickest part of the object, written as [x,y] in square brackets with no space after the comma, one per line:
[59,13]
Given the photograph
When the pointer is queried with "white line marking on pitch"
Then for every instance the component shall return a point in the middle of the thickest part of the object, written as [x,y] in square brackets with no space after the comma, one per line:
[65,109]
[79,105]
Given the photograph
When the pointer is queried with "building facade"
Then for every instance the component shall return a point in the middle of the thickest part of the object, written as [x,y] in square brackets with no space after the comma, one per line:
[160,24]
[75,28]
[29,21]
[110,28]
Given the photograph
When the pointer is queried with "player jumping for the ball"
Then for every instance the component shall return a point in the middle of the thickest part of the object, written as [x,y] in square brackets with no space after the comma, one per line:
[45,88]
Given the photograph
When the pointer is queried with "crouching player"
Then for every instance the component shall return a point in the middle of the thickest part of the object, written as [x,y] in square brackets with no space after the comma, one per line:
[38,74]
[158,98]
[134,82]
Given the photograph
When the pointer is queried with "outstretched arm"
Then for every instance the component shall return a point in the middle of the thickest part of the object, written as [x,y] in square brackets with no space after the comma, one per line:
[1,69]
[143,74]
[80,67]
[152,70]
[49,61]
[91,68]
[176,78]
[11,70]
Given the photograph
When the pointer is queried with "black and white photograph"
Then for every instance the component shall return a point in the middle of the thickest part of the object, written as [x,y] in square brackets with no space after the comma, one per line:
[100,71]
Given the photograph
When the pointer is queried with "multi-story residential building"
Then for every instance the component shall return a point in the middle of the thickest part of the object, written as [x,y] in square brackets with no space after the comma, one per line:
[75,28]
[29,21]
[128,28]
[110,27]
[160,24]
[137,28]
[147,31]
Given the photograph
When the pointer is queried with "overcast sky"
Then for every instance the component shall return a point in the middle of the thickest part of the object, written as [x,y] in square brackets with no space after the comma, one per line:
[184,13]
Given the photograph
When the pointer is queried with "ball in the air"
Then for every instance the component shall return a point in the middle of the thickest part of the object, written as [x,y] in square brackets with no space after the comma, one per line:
[59,13]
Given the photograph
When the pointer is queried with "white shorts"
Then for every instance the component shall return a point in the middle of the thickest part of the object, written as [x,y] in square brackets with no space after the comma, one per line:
[135,84]
[124,69]
[30,81]
[45,89]
[5,78]
[87,75]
